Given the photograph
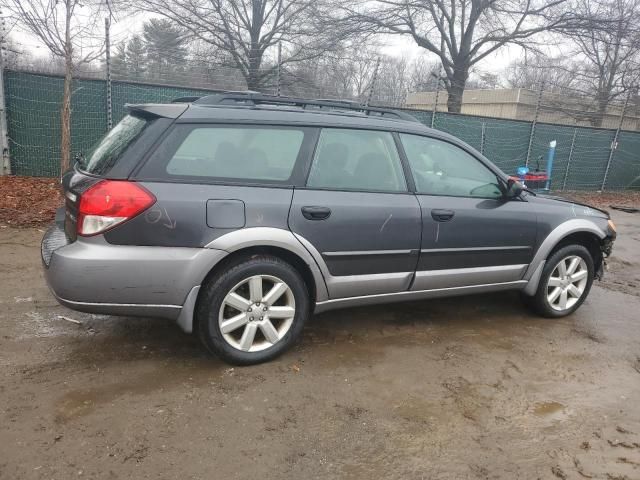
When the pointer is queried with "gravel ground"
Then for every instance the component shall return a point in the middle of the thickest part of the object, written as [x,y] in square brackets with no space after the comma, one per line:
[465,388]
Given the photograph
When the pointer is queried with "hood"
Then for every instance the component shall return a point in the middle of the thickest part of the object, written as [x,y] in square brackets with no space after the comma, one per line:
[543,197]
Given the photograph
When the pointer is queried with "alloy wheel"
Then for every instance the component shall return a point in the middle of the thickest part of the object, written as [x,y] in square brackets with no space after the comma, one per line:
[257,313]
[567,283]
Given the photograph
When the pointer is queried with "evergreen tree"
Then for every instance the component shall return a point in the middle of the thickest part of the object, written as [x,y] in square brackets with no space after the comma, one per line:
[136,58]
[119,65]
[166,49]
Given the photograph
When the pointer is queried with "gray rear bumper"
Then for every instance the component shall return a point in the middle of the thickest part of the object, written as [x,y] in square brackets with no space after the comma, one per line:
[91,275]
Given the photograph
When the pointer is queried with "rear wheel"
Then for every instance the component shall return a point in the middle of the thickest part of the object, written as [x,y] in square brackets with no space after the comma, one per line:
[565,282]
[254,311]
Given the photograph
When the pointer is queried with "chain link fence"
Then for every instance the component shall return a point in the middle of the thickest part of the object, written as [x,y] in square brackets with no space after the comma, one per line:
[586,157]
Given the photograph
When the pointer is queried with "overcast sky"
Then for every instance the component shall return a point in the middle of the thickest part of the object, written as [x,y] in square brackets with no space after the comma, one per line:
[398,46]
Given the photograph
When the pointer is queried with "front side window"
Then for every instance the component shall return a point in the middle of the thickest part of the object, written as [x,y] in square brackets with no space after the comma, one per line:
[440,168]
[243,153]
[356,160]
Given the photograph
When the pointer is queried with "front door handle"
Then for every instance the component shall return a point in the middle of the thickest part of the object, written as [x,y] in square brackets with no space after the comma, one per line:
[316,213]
[442,215]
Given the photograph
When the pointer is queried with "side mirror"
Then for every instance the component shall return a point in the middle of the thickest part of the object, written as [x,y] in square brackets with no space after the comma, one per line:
[514,188]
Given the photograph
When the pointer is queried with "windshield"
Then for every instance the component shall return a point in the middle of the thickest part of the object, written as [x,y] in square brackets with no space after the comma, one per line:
[106,153]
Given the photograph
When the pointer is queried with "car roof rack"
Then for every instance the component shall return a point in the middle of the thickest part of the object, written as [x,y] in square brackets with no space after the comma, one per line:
[184,99]
[253,99]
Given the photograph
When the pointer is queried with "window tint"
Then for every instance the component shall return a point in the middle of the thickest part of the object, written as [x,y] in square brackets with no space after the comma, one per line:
[106,153]
[440,168]
[237,153]
[356,160]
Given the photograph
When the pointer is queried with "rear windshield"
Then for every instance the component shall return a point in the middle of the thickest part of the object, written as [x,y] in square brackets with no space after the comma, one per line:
[106,153]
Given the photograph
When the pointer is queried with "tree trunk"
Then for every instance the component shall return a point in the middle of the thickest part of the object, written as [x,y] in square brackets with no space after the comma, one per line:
[254,78]
[65,120]
[455,88]
[65,123]
[253,75]
[602,99]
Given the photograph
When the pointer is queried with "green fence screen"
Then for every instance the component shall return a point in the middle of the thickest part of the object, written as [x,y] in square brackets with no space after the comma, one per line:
[33,117]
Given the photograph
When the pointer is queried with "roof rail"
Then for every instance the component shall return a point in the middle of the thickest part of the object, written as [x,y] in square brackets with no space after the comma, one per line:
[254,99]
[184,99]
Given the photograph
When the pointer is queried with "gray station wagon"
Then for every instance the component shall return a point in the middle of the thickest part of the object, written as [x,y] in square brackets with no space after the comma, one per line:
[239,215]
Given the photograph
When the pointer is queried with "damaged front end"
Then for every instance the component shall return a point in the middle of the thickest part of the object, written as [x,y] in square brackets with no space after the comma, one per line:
[606,246]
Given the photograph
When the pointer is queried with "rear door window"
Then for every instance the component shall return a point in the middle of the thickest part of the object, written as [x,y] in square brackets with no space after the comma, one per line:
[347,159]
[235,153]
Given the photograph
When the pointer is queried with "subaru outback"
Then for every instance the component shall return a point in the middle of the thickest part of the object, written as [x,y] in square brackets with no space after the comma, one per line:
[240,215]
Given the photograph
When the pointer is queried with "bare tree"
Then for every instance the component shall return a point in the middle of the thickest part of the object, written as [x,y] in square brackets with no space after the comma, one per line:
[13,55]
[530,71]
[348,73]
[461,33]
[248,30]
[608,41]
[424,75]
[61,25]
[392,85]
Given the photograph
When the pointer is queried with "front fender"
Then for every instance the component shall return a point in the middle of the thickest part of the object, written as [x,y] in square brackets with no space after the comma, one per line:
[575,225]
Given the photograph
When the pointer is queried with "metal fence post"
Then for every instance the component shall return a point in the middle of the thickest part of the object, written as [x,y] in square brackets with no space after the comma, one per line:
[435,101]
[533,125]
[614,143]
[482,137]
[278,87]
[566,171]
[5,162]
[107,40]
[373,83]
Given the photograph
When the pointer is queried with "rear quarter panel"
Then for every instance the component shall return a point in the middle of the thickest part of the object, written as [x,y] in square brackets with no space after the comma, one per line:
[179,217]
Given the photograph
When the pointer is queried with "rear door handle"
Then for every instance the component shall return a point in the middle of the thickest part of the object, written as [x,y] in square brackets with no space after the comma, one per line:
[442,215]
[316,213]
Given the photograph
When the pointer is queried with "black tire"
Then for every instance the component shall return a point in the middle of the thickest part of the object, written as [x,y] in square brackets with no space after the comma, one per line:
[215,290]
[539,302]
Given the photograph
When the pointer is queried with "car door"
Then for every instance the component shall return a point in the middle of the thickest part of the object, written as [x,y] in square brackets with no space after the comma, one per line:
[356,214]
[471,234]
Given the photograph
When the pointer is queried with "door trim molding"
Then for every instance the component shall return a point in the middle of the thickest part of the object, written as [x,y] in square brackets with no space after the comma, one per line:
[415,295]
[367,252]
[463,277]
[475,249]
[373,284]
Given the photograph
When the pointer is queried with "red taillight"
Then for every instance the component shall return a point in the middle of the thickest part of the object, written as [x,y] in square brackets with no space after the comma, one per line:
[109,203]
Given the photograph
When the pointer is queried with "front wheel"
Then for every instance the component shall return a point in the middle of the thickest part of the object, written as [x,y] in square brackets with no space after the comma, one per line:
[565,282]
[254,311]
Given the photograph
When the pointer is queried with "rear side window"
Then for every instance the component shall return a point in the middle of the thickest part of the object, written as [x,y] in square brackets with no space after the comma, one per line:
[106,153]
[234,153]
[348,159]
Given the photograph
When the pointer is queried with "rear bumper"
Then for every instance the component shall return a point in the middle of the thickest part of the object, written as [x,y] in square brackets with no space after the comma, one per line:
[91,275]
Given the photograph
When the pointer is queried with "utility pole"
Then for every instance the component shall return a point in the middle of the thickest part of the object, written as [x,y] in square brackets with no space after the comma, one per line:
[5,162]
[107,41]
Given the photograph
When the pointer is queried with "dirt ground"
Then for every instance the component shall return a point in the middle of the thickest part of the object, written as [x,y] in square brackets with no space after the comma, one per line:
[463,388]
